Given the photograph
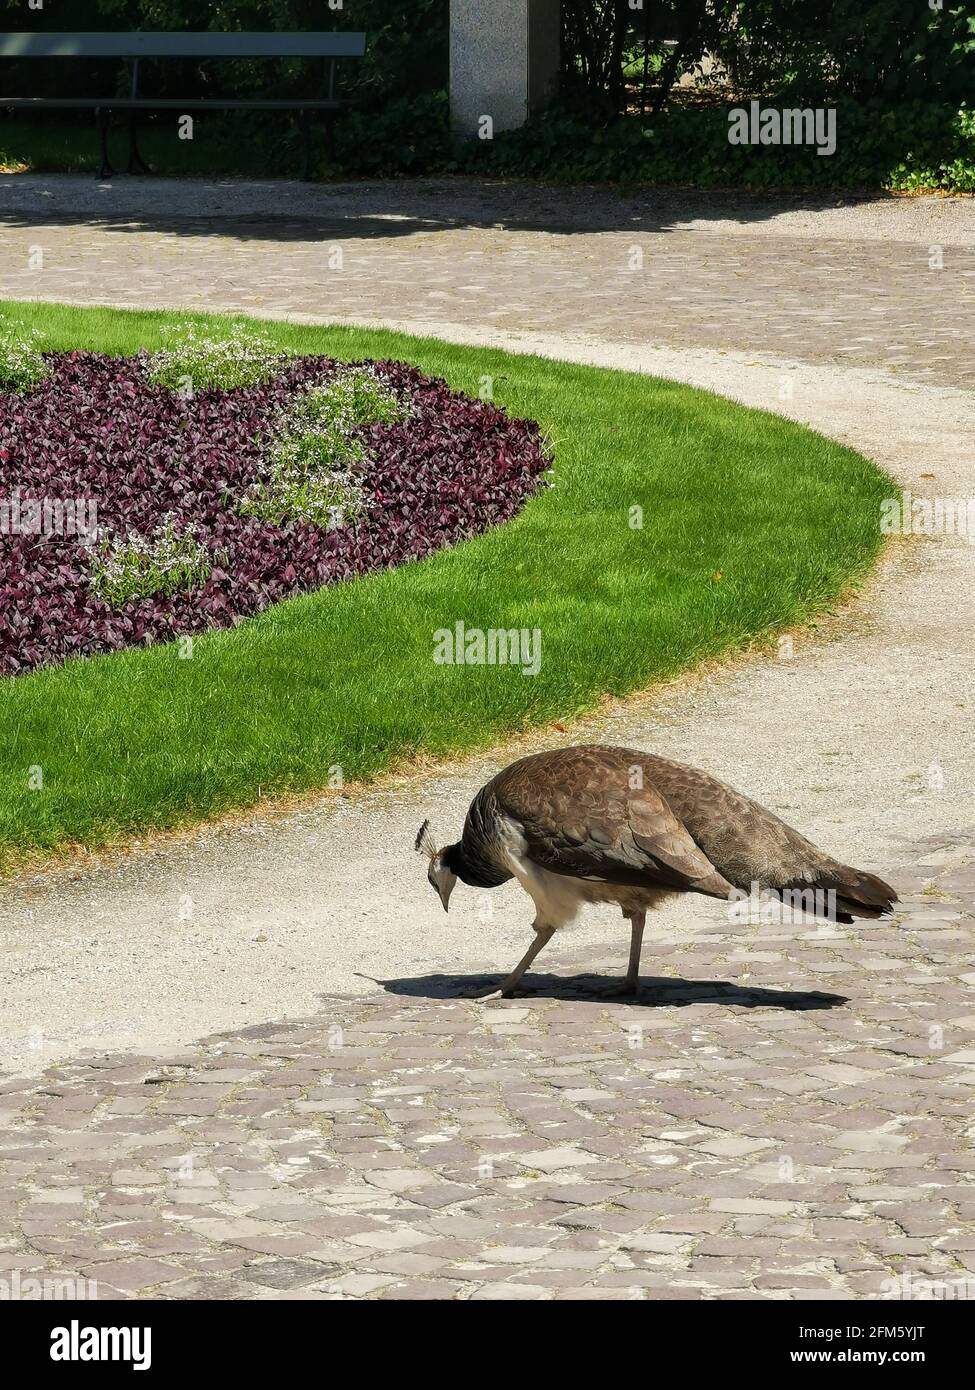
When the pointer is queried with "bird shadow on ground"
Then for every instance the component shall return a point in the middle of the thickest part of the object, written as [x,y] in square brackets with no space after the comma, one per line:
[655,991]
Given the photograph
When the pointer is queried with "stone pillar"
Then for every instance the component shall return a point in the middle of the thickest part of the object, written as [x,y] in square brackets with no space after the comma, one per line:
[504,61]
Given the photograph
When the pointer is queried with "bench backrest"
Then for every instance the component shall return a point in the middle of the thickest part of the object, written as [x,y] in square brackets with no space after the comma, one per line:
[183,45]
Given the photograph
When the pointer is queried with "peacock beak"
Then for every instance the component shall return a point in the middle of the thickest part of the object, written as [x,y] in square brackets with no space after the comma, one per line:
[444,882]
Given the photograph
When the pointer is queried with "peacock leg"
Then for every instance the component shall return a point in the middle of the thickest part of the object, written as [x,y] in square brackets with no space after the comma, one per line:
[631,983]
[543,936]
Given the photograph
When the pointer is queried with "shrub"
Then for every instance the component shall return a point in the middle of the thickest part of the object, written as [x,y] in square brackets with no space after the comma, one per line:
[314,469]
[913,146]
[21,365]
[403,136]
[302,488]
[902,146]
[354,397]
[136,566]
[195,362]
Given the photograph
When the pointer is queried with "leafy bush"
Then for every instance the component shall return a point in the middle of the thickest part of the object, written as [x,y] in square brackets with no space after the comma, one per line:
[21,364]
[894,50]
[889,50]
[302,487]
[354,397]
[405,136]
[135,566]
[913,146]
[905,147]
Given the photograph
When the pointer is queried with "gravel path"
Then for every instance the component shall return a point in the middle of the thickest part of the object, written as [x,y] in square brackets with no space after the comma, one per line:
[862,740]
[493,203]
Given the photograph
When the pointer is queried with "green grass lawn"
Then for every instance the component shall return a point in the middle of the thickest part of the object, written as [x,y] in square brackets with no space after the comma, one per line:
[750,524]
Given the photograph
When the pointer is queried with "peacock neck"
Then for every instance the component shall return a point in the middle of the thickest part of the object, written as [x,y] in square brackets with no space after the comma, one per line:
[470,868]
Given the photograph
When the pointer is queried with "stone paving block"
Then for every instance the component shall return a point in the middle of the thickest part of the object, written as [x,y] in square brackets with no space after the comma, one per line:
[658,1242]
[284,1274]
[552,1160]
[510,1292]
[134,1274]
[594,1294]
[394,1238]
[424,1289]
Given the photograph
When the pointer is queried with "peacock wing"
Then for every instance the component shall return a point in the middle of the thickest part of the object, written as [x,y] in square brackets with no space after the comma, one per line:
[580,816]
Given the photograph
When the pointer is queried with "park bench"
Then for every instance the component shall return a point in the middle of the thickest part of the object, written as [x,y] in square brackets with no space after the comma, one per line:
[136,46]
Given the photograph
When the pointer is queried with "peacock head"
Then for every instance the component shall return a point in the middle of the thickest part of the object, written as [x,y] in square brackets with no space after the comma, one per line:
[441,877]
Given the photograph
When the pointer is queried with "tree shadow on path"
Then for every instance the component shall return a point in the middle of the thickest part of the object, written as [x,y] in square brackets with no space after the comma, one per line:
[370,210]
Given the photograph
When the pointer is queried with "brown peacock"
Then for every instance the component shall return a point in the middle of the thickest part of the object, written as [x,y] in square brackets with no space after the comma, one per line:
[594,824]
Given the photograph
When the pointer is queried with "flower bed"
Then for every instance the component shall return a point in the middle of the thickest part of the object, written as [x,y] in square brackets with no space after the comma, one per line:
[201,515]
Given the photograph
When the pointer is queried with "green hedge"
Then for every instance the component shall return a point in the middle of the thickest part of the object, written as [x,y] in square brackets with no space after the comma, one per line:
[914,147]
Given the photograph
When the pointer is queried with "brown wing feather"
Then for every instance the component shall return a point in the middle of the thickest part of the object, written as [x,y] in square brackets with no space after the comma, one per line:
[581,816]
[746,841]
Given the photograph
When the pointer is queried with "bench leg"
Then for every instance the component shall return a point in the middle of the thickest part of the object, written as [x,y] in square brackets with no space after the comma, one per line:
[105,170]
[137,164]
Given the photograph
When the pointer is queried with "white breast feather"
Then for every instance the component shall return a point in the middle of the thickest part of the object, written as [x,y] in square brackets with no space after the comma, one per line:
[557,897]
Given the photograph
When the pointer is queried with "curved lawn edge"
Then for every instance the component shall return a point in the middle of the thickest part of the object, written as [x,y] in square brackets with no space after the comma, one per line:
[750,524]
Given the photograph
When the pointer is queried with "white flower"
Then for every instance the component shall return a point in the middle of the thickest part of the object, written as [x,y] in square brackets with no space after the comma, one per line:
[315,455]
[137,566]
[243,358]
[21,364]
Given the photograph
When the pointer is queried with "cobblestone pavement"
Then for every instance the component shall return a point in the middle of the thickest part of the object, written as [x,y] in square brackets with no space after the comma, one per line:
[784,1113]
[509,258]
